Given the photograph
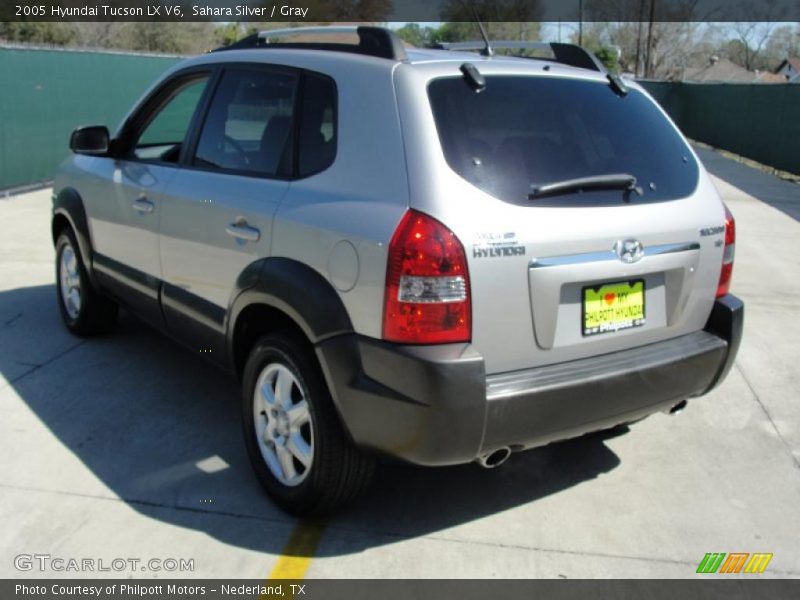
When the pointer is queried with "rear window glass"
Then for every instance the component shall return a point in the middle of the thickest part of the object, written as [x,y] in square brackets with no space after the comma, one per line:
[522,132]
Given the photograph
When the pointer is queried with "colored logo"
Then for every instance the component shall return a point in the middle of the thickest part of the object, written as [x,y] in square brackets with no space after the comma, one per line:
[735,562]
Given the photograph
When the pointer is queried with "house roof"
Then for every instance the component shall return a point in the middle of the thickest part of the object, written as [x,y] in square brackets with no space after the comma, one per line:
[723,70]
[720,70]
[792,60]
[767,77]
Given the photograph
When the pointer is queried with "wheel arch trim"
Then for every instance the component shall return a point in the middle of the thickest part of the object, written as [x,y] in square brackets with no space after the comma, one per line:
[296,290]
[67,203]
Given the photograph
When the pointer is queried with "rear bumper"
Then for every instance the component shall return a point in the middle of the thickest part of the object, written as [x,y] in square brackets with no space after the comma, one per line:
[434,405]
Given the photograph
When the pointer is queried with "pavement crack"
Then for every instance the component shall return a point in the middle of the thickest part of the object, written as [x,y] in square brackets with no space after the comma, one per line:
[27,364]
[12,319]
[786,444]
[49,361]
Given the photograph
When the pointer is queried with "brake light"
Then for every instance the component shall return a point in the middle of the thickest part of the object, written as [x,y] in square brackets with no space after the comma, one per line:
[427,299]
[725,275]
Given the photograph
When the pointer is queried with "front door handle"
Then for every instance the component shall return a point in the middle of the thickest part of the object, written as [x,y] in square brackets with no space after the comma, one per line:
[242,231]
[143,205]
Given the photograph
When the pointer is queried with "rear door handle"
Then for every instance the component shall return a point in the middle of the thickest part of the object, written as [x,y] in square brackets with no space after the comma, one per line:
[242,231]
[143,205]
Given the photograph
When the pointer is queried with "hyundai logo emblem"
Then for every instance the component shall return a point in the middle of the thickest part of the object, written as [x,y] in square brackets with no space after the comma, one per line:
[629,250]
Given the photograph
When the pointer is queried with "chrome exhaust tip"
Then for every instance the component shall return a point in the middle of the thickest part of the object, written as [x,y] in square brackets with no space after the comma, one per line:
[678,407]
[495,458]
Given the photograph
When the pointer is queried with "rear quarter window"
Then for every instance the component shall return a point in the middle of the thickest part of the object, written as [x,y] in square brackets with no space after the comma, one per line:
[317,145]
[520,132]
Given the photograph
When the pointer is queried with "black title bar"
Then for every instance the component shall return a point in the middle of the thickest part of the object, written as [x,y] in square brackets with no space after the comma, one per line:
[730,588]
[315,11]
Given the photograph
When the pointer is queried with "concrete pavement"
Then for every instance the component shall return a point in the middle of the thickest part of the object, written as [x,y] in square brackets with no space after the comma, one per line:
[129,446]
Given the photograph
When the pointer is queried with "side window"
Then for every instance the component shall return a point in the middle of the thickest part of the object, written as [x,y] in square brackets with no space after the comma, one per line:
[249,123]
[317,145]
[165,131]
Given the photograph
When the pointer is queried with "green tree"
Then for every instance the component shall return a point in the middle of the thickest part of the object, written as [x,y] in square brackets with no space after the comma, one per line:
[416,35]
[57,34]
[460,31]
[609,56]
[455,31]
[168,37]
[233,32]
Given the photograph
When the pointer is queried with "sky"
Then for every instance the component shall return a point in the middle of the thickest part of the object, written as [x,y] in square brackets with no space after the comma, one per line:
[550,31]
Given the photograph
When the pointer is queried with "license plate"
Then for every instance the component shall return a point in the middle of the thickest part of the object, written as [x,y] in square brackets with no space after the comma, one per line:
[613,307]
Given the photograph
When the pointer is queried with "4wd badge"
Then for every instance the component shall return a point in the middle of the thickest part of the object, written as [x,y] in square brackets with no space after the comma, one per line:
[495,245]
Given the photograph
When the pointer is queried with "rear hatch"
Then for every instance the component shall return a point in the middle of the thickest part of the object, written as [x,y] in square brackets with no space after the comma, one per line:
[562,270]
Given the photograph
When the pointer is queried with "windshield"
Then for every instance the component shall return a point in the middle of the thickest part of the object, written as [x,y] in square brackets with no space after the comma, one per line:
[523,132]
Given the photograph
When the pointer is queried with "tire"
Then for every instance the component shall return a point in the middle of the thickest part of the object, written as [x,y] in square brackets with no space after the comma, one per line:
[337,472]
[85,312]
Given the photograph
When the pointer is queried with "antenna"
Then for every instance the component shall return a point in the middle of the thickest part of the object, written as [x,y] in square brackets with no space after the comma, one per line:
[487,49]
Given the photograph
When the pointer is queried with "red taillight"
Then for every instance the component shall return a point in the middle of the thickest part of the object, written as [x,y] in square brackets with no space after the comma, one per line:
[725,275]
[427,284]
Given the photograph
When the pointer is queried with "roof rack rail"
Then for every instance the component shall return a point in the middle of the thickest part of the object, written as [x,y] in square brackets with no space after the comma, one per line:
[372,41]
[568,54]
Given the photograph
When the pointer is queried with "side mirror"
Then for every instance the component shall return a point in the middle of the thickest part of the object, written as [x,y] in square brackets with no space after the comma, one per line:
[93,140]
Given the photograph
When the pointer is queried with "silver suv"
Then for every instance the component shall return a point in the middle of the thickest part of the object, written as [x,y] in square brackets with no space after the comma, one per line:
[436,255]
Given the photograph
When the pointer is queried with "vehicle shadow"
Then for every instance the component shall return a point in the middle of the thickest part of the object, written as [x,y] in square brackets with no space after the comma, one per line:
[160,428]
[772,190]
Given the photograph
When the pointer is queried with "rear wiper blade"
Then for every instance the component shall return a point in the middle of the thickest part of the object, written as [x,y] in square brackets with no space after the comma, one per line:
[612,181]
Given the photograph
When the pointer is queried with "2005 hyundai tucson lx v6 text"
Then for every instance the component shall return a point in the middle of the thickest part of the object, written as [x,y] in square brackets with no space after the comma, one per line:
[438,255]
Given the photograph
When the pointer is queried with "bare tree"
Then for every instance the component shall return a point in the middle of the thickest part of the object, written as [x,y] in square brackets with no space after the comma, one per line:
[749,37]
[749,40]
[782,44]
[98,34]
[341,10]
[522,12]
[653,36]
[672,45]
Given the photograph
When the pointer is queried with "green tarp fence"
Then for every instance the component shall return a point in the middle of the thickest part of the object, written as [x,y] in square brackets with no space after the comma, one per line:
[45,94]
[758,121]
